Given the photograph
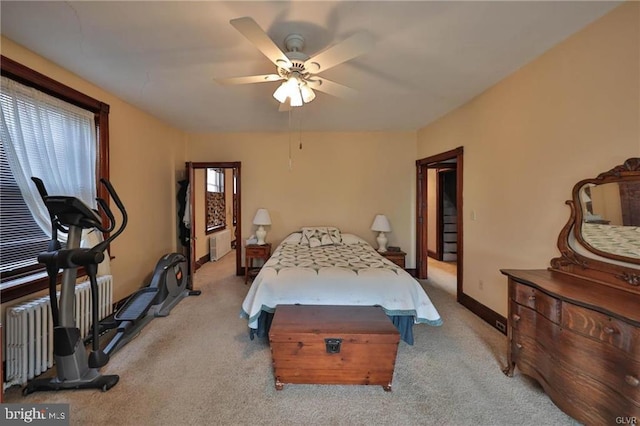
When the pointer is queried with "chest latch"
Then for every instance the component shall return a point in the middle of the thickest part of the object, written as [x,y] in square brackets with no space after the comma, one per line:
[333,345]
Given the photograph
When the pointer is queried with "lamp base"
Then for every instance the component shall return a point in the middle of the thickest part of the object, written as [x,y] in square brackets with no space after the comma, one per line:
[382,242]
[261,235]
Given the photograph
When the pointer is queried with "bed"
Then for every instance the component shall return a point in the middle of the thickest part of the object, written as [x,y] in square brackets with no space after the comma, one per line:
[619,240]
[322,266]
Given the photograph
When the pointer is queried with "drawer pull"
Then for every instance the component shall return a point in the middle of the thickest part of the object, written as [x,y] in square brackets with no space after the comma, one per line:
[518,345]
[516,317]
[633,381]
[609,330]
[532,298]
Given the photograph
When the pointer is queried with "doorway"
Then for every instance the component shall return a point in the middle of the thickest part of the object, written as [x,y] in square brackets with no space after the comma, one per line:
[201,225]
[439,213]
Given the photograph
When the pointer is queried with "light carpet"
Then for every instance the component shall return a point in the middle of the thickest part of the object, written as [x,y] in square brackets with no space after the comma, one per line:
[198,367]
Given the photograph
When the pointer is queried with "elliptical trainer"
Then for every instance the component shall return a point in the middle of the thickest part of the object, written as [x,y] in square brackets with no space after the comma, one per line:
[76,370]
[70,215]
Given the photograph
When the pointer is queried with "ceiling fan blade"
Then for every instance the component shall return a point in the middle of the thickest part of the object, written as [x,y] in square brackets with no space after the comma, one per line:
[332,88]
[354,46]
[249,79]
[256,35]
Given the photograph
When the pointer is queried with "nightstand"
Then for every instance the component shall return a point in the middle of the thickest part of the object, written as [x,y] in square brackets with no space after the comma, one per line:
[396,257]
[255,251]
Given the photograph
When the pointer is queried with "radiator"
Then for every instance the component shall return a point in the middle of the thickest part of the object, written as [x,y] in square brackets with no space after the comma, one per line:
[219,244]
[29,330]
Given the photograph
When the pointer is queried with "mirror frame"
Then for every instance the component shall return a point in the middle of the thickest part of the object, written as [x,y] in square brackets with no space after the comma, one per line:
[619,176]
[612,269]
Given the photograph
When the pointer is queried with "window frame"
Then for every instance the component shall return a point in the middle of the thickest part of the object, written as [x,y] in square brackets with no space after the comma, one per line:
[29,77]
[222,185]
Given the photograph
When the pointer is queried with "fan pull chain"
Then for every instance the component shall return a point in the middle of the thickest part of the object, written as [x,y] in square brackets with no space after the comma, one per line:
[300,132]
[290,161]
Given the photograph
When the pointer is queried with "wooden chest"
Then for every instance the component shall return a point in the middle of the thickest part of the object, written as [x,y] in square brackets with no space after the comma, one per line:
[333,345]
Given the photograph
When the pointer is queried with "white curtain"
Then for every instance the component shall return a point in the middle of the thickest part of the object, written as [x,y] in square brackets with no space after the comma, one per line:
[50,139]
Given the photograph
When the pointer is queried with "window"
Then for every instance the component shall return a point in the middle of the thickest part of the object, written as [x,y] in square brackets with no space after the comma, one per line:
[215,180]
[215,201]
[21,239]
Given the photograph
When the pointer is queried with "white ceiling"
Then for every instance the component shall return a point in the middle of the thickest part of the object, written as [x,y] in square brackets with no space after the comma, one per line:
[429,57]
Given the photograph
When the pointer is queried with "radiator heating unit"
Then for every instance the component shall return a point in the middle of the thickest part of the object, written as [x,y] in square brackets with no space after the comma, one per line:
[29,330]
[219,244]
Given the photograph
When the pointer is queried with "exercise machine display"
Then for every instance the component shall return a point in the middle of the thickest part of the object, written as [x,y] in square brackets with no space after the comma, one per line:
[75,369]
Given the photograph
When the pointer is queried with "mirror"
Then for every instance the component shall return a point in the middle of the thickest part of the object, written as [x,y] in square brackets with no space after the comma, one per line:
[601,240]
[610,219]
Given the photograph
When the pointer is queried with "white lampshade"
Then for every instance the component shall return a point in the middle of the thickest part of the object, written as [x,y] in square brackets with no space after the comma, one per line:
[381,224]
[307,94]
[282,93]
[290,89]
[262,217]
[295,96]
[294,91]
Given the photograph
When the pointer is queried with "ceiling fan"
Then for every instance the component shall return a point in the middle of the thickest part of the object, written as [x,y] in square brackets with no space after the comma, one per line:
[297,69]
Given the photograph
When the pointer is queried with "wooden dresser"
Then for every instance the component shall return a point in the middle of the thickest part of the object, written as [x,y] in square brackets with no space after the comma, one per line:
[575,327]
[579,340]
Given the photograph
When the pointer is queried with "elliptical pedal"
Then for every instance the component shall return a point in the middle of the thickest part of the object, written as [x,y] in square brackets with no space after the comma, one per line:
[137,305]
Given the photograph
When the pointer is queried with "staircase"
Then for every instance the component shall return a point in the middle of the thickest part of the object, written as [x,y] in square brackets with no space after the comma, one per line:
[449,230]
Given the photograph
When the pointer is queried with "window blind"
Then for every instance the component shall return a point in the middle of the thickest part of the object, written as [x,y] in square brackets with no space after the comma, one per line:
[21,239]
[45,137]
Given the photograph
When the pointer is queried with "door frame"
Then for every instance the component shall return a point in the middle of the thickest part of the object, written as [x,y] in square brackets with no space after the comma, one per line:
[421,214]
[190,172]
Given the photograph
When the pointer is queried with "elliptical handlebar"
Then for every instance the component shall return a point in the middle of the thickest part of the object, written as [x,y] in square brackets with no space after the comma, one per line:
[116,199]
[105,208]
[91,218]
[40,186]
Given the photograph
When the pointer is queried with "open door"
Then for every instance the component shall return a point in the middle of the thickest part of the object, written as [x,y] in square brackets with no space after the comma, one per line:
[190,173]
[422,167]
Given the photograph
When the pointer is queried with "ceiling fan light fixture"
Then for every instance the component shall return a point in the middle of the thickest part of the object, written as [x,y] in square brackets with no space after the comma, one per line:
[291,90]
[295,96]
[307,93]
[296,67]
[282,93]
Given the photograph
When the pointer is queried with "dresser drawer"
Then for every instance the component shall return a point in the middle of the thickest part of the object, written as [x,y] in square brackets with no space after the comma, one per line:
[538,301]
[602,327]
[567,383]
[613,368]
[257,251]
[528,323]
[576,364]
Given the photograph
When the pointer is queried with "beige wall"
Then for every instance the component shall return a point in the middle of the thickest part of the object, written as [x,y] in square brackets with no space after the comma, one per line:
[338,179]
[606,202]
[146,158]
[570,114]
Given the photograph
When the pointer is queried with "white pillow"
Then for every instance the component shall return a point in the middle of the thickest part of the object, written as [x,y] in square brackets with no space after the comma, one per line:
[352,239]
[317,236]
[293,238]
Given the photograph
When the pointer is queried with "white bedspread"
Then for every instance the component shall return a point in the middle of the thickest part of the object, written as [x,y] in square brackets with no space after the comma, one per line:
[620,240]
[350,274]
